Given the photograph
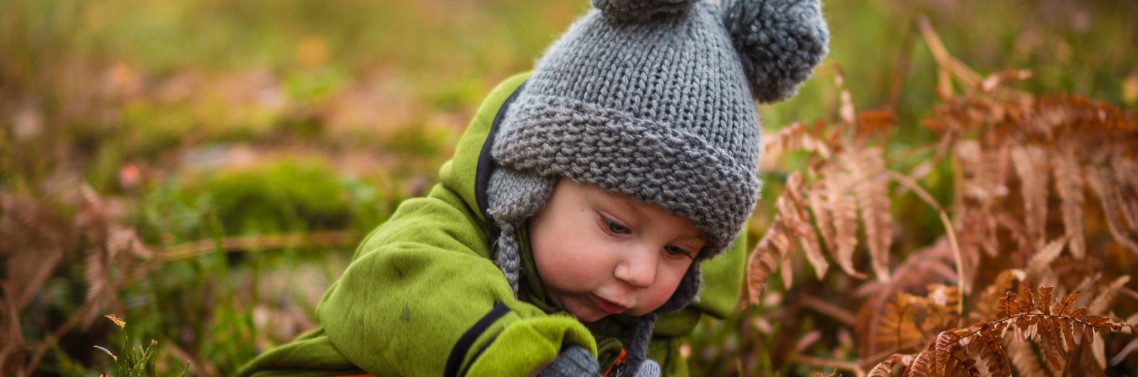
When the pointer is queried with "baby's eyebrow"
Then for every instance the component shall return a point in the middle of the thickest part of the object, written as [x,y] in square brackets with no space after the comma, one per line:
[624,201]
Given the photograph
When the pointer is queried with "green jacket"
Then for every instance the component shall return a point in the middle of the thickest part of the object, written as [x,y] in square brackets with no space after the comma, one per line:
[423,298]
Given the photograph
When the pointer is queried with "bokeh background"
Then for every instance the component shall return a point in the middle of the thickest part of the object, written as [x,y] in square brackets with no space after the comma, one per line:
[233,151]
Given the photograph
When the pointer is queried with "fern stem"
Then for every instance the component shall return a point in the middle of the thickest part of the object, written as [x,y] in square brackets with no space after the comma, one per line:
[924,195]
[1025,315]
[824,363]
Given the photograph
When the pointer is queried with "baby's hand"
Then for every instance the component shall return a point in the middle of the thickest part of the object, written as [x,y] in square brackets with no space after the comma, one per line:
[574,361]
[648,368]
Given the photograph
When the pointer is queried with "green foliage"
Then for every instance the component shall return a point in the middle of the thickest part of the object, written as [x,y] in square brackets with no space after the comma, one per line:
[133,360]
[348,107]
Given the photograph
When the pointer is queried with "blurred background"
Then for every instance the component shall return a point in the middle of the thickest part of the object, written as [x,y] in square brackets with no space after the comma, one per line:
[205,168]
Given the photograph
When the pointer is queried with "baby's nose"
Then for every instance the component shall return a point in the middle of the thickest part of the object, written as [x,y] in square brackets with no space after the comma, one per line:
[639,269]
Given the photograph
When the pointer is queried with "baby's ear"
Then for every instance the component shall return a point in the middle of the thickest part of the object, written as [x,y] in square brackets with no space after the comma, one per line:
[779,43]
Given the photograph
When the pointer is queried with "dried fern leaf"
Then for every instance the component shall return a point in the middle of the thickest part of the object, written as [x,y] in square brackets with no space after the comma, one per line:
[874,121]
[764,260]
[991,351]
[799,221]
[941,353]
[1039,267]
[1031,165]
[982,171]
[1106,296]
[819,205]
[795,137]
[1109,198]
[960,363]
[1069,183]
[1126,174]
[922,365]
[898,324]
[1008,306]
[1045,299]
[872,192]
[1049,342]
[885,368]
[942,309]
[988,307]
[1065,305]
[843,207]
[1026,305]
[1024,359]
[932,264]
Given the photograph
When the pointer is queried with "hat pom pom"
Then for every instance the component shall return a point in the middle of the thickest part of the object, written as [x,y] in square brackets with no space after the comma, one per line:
[622,11]
[779,42]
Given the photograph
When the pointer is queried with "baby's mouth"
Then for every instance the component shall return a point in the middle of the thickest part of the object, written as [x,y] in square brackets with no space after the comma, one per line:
[606,305]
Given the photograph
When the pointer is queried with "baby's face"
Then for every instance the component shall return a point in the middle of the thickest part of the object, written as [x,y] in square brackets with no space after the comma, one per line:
[600,253]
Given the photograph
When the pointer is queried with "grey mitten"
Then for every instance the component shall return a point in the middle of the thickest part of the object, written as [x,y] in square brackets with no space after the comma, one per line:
[648,368]
[574,361]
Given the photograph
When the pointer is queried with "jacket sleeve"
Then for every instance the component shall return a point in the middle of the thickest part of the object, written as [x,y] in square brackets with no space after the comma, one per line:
[419,283]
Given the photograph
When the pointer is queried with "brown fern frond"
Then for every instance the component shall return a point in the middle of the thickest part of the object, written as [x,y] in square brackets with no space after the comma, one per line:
[885,368]
[1102,184]
[922,365]
[988,307]
[794,137]
[1126,174]
[1004,78]
[765,259]
[941,350]
[1045,299]
[1026,305]
[874,121]
[942,309]
[959,362]
[1039,267]
[872,193]
[1024,359]
[1050,341]
[832,374]
[819,205]
[1064,306]
[1075,113]
[983,171]
[798,221]
[1106,296]
[1031,165]
[898,325]
[843,208]
[929,265]
[991,351]
[1069,184]
[1008,306]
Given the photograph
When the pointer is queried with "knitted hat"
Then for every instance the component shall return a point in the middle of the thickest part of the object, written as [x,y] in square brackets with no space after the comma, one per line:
[654,99]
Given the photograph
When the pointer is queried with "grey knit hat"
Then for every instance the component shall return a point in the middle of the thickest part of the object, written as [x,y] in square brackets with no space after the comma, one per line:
[654,99]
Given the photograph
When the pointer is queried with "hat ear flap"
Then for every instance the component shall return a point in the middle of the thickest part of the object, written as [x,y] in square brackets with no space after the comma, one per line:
[622,11]
[779,43]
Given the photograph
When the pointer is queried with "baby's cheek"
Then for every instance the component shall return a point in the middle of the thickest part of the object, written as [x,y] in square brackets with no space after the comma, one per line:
[663,291]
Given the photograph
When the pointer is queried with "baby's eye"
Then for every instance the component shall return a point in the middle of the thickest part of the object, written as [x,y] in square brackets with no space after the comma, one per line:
[674,251]
[615,227]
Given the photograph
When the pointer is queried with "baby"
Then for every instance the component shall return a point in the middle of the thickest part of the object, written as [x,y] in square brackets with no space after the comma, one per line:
[574,230]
